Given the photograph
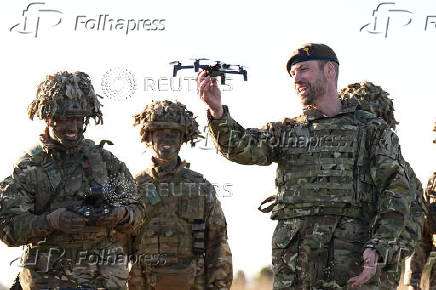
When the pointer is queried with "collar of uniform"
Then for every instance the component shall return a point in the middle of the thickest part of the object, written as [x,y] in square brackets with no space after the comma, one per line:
[57,150]
[310,113]
[159,172]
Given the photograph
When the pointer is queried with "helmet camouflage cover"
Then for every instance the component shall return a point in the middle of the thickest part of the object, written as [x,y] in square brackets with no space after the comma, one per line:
[371,98]
[167,115]
[66,94]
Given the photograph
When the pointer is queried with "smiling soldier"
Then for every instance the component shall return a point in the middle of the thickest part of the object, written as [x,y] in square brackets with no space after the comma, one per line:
[342,203]
[183,242]
[41,200]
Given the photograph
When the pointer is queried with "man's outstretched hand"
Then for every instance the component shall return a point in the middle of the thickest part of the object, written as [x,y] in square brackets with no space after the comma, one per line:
[209,93]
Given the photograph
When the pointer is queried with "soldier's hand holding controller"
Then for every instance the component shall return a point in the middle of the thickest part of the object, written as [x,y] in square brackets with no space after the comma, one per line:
[66,221]
[117,216]
[209,92]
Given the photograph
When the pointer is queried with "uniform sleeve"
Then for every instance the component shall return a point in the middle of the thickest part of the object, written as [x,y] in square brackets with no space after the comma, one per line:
[122,179]
[394,195]
[18,223]
[420,256]
[218,259]
[244,146]
[422,252]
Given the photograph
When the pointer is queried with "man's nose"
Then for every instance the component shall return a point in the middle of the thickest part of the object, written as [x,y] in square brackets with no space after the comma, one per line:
[297,77]
[74,126]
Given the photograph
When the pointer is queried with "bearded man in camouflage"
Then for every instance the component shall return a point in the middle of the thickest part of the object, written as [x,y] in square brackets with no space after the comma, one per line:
[42,201]
[343,195]
[183,243]
[374,99]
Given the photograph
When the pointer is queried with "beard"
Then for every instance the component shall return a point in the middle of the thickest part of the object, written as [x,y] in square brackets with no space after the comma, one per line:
[316,89]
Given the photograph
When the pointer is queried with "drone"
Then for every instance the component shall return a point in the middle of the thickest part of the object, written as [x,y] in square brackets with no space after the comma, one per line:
[219,69]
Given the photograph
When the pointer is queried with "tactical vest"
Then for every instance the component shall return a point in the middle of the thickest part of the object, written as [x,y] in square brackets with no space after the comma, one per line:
[322,168]
[57,188]
[175,228]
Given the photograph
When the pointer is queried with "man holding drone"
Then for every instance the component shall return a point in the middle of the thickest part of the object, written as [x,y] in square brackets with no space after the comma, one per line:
[343,194]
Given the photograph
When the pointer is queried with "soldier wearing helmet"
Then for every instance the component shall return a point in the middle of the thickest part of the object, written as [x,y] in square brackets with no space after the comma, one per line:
[183,243]
[372,98]
[42,199]
[423,262]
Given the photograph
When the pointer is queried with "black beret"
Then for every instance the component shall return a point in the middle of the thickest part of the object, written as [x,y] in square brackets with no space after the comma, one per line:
[311,51]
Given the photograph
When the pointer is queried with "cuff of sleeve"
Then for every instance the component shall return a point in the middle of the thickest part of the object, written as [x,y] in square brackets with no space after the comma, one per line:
[125,226]
[414,283]
[225,114]
[381,248]
[41,226]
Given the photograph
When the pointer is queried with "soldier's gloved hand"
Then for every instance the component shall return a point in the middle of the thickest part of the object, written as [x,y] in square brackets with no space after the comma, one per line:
[117,216]
[370,258]
[66,221]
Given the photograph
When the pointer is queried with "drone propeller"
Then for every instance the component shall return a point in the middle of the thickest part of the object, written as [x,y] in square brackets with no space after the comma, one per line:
[175,62]
[199,58]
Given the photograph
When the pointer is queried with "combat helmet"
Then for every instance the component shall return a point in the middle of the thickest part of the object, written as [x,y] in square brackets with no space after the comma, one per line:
[66,94]
[372,98]
[167,115]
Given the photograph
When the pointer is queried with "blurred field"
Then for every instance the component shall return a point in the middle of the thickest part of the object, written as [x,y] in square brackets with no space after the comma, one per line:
[263,281]
[262,284]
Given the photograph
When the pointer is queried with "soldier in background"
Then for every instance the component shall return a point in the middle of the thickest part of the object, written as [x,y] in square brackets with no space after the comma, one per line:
[343,194]
[42,200]
[374,99]
[183,243]
[423,262]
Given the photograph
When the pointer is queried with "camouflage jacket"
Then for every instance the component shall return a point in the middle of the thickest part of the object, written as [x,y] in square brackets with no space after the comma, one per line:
[48,177]
[428,242]
[348,165]
[184,223]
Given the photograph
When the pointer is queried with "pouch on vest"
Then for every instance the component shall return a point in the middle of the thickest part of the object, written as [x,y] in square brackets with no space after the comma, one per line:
[180,281]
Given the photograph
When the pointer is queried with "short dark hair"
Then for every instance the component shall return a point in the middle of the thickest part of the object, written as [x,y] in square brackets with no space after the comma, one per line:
[322,63]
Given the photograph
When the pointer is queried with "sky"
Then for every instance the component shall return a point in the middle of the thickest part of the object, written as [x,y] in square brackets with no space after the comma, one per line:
[391,44]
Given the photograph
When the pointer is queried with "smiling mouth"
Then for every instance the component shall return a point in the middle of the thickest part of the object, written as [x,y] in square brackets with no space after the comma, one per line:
[302,90]
[71,136]
[166,147]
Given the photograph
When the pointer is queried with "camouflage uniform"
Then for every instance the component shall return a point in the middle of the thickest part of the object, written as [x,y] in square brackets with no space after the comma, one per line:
[423,262]
[52,176]
[183,243]
[372,98]
[342,187]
